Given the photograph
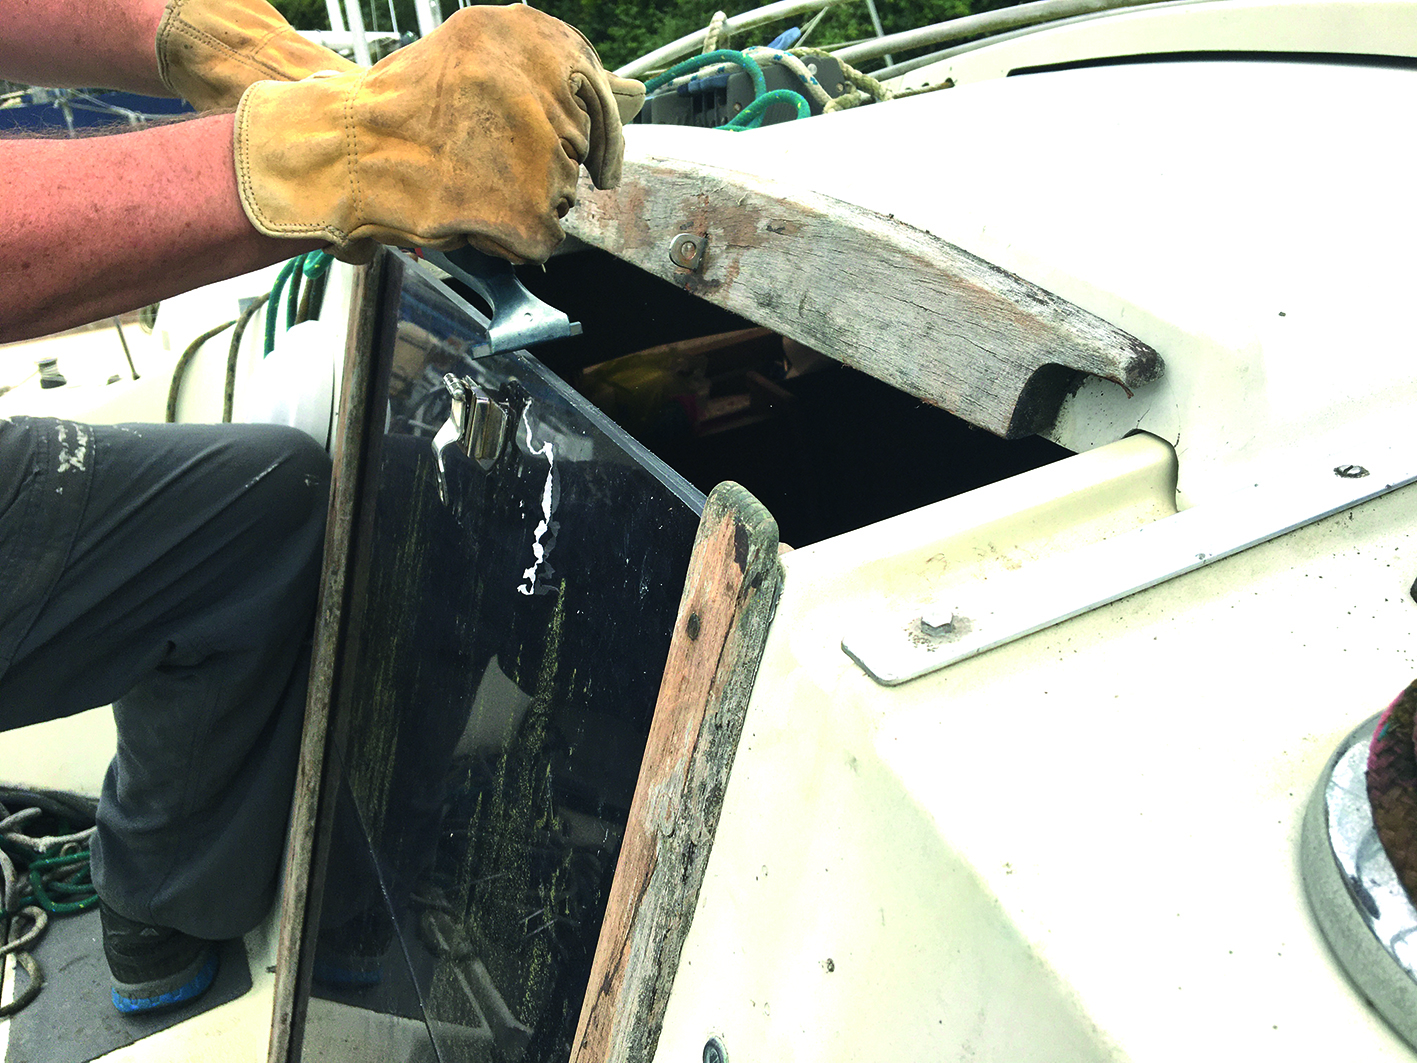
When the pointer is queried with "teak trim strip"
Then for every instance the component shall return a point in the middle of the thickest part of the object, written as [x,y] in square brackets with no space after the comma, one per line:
[889,299]
[349,454]
[729,598]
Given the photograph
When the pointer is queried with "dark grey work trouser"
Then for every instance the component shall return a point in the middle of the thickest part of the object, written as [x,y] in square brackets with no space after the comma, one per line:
[185,598]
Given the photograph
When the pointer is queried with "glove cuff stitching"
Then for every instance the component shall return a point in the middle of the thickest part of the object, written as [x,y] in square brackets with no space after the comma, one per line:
[352,155]
[164,31]
[262,222]
[199,36]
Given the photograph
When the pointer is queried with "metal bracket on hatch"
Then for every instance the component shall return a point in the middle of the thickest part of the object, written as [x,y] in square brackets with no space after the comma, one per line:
[519,319]
[477,424]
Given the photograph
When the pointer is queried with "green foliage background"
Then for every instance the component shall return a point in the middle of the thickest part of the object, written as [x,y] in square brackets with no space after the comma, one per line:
[624,29]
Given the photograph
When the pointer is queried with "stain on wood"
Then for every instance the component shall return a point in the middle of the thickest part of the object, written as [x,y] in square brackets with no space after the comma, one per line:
[873,292]
[724,615]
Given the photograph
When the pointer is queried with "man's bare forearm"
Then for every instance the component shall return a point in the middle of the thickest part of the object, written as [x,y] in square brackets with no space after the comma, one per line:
[99,43]
[93,227]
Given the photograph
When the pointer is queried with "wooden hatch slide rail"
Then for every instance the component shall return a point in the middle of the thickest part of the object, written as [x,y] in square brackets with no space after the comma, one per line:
[295,951]
[875,293]
[729,597]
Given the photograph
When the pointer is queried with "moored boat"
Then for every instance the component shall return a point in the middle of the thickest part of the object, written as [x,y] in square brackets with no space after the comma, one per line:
[1102,548]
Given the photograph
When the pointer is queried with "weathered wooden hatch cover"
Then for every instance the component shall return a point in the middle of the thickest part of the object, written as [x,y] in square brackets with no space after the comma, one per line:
[882,296]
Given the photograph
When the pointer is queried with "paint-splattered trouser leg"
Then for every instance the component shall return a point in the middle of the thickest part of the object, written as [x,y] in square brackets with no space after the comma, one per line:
[186,600]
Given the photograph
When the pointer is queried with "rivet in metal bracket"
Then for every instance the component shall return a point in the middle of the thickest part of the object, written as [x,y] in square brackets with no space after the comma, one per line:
[939,622]
[687,250]
[1350,472]
[714,1052]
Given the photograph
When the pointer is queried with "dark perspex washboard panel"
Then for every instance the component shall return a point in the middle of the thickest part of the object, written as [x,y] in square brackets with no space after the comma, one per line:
[502,656]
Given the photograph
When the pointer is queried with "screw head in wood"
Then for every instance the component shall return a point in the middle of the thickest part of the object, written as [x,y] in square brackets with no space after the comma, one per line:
[687,250]
[714,1052]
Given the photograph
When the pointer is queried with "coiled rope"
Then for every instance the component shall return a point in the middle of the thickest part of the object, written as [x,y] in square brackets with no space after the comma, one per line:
[723,59]
[40,876]
[868,89]
[717,59]
[302,303]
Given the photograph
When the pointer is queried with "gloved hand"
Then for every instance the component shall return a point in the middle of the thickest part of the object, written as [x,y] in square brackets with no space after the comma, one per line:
[474,134]
[210,51]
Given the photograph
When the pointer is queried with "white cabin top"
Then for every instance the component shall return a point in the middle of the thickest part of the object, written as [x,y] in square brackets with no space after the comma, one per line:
[1244,209]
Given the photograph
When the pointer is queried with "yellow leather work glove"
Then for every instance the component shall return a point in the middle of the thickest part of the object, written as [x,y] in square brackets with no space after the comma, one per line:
[210,51]
[474,134]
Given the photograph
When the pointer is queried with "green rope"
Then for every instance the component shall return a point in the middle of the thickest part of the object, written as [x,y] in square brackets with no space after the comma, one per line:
[279,286]
[44,883]
[722,55]
[78,883]
[751,117]
[292,301]
[312,266]
[317,264]
[317,270]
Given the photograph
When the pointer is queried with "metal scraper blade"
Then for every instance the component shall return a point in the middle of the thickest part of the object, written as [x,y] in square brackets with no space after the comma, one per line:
[519,319]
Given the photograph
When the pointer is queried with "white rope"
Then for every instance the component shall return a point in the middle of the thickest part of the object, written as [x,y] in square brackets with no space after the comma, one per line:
[714,32]
[43,844]
[13,883]
[18,943]
[39,920]
[865,84]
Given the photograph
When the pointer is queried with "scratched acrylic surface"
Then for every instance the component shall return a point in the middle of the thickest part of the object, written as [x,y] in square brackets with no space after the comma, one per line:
[507,651]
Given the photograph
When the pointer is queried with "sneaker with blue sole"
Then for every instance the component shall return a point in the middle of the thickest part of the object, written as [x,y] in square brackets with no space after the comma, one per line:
[154,967]
[351,956]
